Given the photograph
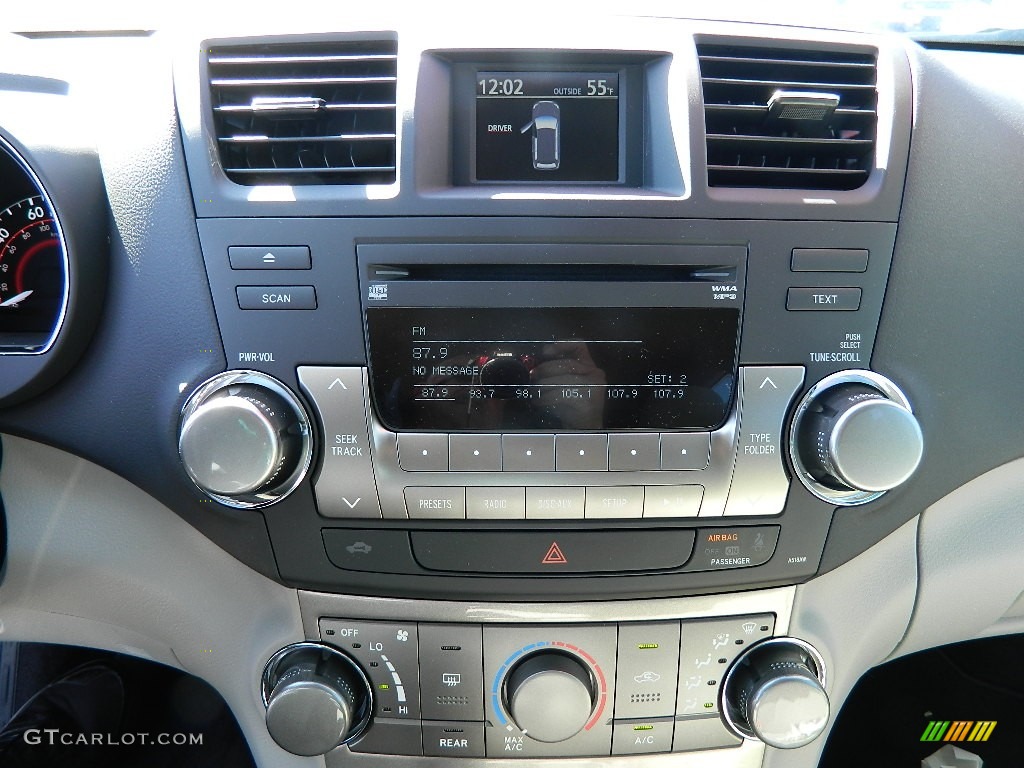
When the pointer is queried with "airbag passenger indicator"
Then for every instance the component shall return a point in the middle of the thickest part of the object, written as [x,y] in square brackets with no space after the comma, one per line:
[547,126]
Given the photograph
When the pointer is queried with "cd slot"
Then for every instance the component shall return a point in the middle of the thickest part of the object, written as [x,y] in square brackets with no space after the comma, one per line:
[573,273]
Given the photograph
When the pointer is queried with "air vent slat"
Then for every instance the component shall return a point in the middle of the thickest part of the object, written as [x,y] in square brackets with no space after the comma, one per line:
[290,81]
[784,84]
[306,113]
[245,108]
[312,170]
[772,121]
[755,60]
[762,111]
[791,140]
[242,139]
[323,59]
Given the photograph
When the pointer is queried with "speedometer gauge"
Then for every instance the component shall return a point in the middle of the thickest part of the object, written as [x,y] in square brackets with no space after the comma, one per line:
[33,261]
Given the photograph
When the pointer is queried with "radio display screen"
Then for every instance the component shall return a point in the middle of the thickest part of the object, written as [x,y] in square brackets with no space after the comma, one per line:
[552,368]
[547,126]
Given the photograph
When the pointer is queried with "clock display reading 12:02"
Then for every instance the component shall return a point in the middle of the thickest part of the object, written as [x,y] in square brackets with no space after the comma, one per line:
[547,126]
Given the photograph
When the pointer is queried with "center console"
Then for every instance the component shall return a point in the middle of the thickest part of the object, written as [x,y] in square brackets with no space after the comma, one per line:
[547,384]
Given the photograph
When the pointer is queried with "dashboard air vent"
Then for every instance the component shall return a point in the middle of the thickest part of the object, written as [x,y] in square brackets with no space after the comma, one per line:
[792,119]
[305,113]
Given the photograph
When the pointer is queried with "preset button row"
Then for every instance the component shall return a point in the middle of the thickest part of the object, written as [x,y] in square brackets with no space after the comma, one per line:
[420,452]
[553,503]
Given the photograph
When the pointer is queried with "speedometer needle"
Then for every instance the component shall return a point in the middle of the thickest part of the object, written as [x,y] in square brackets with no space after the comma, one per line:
[16,300]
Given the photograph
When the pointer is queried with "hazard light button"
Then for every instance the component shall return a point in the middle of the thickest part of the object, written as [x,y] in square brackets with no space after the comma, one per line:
[553,553]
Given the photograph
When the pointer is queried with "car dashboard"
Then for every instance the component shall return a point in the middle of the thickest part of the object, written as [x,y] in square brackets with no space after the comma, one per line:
[615,392]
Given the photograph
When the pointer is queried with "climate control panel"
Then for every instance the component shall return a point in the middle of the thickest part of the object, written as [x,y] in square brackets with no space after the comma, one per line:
[535,691]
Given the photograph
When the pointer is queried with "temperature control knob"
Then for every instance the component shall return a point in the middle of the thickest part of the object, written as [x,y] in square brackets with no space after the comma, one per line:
[775,692]
[550,696]
[854,437]
[316,697]
[245,439]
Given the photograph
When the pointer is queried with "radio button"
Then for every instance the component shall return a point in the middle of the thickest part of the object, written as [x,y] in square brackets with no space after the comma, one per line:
[828,299]
[615,502]
[276,296]
[759,481]
[496,503]
[528,453]
[673,500]
[423,453]
[474,453]
[634,453]
[558,503]
[269,257]
[581,453]
[682,450]
[445,502]
[829,260]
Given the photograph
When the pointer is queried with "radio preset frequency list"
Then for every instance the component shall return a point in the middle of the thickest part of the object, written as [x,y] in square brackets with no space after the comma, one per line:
[573,368]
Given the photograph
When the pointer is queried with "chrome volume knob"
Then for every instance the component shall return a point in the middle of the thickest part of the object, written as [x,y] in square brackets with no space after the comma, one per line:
[775,692]
[244,439]
[550,696]
[316,697]
[854,437]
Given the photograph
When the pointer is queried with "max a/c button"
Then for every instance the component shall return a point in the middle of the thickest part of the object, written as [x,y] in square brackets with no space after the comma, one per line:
[823,299]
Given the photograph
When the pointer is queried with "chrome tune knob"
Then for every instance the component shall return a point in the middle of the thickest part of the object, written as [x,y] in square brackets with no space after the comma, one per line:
[775,692]
[854,437]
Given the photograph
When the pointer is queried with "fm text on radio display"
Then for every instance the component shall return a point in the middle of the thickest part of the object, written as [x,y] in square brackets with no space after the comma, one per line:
[552,368]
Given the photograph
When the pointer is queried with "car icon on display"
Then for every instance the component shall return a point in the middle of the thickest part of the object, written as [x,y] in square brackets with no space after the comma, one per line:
[546,139]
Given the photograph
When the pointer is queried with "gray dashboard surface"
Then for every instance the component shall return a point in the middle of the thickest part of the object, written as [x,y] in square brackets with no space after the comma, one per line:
[947,333]
[950,331]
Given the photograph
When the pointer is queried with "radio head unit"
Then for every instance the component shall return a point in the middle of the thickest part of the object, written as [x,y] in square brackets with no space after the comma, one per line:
[647,342]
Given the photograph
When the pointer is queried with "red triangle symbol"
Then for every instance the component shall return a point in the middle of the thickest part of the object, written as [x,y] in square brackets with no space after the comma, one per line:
[554,555]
